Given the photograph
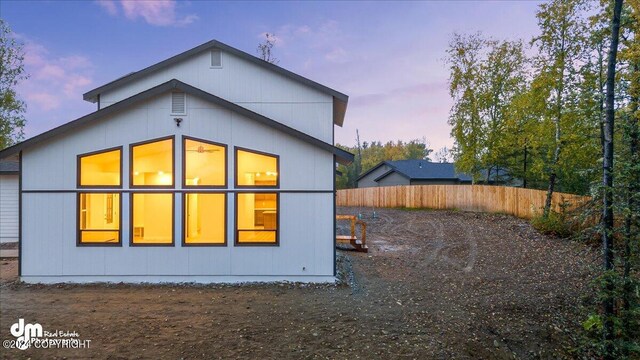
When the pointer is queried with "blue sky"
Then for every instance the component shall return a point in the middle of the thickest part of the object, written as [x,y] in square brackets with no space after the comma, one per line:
[387,56]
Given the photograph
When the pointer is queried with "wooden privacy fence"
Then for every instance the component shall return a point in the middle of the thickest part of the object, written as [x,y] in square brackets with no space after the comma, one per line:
[523,203]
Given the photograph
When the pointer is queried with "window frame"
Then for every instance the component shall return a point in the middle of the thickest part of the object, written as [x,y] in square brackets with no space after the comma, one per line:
[173,219]
[226,217]
[97,152]
[79,242]
[171,104]
[237,230]
[184,164]
[173,163]
[235,172]
[221,59]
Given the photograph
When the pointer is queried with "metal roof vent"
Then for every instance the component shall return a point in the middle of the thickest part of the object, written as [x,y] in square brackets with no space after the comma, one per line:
[178,103]
[216,58]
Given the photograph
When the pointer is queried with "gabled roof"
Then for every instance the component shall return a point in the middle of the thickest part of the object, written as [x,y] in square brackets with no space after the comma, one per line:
[392,171]
[339,99]
[419,170]
[342,156]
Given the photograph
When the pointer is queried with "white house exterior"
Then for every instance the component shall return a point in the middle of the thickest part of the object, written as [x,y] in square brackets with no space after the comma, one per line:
[211,166]
[9,170]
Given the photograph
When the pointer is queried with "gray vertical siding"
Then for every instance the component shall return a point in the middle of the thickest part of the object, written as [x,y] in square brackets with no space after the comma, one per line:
[393,179]
[8,208]
[255,88]
[49,209]
[368,180]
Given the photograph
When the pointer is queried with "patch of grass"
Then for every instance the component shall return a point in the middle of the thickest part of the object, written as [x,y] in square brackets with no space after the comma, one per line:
[554,223]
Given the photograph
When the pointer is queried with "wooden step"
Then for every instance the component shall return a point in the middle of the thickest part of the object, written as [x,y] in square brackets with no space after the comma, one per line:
[346,238]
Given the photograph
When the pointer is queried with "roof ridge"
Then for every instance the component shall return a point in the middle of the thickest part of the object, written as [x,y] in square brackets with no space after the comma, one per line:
[162,88]
[89,95]
[340,99]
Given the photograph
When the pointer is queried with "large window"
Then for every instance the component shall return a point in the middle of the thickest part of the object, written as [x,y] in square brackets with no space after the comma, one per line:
[205,217]
[152,164]
[152,219]
[257,218]
[256,169]
[99,219]
[100,169]
[205,164]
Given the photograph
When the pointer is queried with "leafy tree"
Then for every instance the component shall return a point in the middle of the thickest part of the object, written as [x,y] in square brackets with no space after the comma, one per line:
[607,216]
[12,109]
[555,130]
[443,155]
[502,78]
[464,60]
[558,65]
[486,74]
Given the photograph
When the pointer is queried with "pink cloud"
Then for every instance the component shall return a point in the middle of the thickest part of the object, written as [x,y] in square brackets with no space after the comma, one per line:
[49,71]
[45,101]
[76,62]
[337,55]
[109,6]
[153,12]
[74,83]
[49,74]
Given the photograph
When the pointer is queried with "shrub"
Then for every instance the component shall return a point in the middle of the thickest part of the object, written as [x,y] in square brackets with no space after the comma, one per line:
[554,223]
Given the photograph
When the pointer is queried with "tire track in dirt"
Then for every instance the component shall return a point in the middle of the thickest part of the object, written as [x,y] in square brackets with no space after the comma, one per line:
[446,236]
[430,230]
[438,237]
[469,242]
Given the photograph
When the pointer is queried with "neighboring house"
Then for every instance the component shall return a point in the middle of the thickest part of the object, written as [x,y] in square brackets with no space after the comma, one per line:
[412,172]
[210,166]
[423,172]
[9,185]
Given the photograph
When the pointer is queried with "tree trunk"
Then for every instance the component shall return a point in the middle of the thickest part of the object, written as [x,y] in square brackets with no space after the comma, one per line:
[554,165]
[631,218]
[601,93]
[608,332]
[553,175]
[524,180]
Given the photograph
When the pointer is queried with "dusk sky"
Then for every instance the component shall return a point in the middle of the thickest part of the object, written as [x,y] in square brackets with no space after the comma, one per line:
[387,56]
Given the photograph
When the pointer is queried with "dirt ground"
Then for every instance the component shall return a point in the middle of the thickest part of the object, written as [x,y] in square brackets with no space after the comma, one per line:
[434,284]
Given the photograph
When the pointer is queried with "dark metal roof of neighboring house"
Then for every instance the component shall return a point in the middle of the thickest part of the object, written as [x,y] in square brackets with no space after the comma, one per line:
[340,100]
[342,156]
[9,167]
[420,170]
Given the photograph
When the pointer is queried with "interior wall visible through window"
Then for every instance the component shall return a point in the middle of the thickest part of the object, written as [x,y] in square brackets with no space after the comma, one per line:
[256,169]
[205,164]
[152,218]
[100,169]
[204,219]
[257,218]
[99,218]
[152,164]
